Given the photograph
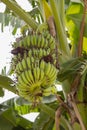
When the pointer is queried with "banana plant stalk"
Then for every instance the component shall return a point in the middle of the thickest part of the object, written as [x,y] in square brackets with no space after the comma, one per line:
[63,43]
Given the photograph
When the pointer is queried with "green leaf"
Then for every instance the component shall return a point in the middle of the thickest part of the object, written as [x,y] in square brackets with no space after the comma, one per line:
[11,19]
[43,122]
[74,36]
[47,110]
[49,99]
[18,128]
[74,8]
[77,18]
[24,123]
[7,83]
[71,68]
[5,124]
[73,30]
[8,112]
[14,120]
[46,118]
[74,14]
[10,116]
[36,14]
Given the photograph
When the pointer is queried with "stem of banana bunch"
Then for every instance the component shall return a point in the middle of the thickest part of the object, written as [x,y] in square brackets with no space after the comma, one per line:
[21,13]
[60,26]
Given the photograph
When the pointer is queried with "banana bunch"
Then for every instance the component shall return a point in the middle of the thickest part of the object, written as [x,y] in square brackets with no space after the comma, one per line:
[34,60]
[33,81]
[38,41]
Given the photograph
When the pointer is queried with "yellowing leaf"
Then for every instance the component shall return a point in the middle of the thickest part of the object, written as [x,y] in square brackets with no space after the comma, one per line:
[47,9]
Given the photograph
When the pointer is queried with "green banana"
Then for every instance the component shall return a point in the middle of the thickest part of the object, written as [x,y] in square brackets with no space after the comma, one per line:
[44,52]
[15,45]
[30,53]
[38,73]
[32,62]
[24,78]
[25,43]
[31,76]
[20,81]
[48,36]
[28,62]
[42,27]
[23,62]
[53,71]
[24,56]
[34,74]
[19,67]
[48,51]
[19,58]
[48,68]
[22,87]
[34,52]
[52,46]
[39,41]
[51,39]
[42,42]
[46,44]
[24,94]
[52,76]
[35,88]
[27,76]
[21,43]
[31,41]
[42,75]
[34,40]
[42,65]
[40,53]
[28,41]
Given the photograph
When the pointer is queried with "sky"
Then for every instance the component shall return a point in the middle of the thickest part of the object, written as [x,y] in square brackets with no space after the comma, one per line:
[5,48]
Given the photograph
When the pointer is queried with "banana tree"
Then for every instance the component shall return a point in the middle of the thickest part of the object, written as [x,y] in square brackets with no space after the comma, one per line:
[51,51]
